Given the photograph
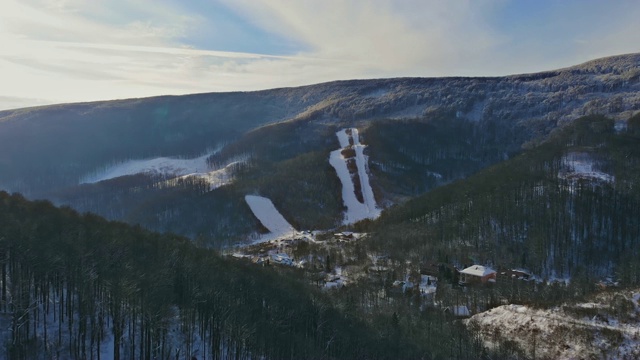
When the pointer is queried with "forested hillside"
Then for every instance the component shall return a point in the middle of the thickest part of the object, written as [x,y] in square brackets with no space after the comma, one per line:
[567,208]
[420,133]
[411,157]
[288,163]
[80,287]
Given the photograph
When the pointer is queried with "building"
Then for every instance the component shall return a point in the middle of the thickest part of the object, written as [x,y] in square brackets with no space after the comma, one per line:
[515,274]
[477,274]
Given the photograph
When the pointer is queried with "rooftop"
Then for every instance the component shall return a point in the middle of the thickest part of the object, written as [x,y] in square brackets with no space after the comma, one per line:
[478,270]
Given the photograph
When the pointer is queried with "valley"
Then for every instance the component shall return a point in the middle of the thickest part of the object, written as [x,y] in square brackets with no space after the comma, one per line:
[418,218]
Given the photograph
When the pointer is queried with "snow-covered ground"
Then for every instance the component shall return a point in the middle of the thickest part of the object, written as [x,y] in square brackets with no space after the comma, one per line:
[336,279]
[377,93]
[580,165]
[215,178]
[270,218]
[161,166]
[428,285]
[356,210]
[608,328]
[169,168]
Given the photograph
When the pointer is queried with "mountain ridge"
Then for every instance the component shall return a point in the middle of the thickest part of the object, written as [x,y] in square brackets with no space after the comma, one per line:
[46,151]
[615,63]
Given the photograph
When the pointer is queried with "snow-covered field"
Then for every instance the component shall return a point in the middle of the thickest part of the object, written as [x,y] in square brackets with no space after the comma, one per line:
[270,218]
[579,165]
[161,166]
[356,210]
[607,328]
[169,168]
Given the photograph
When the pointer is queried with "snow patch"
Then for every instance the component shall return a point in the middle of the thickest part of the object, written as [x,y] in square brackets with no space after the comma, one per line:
[356,210]
[215,178]
[161,166]
[460,311]
[580,165]
[567,332]
[173,169]
[428,285]
[377,93]
[477,111]
[281,258]
[270,217]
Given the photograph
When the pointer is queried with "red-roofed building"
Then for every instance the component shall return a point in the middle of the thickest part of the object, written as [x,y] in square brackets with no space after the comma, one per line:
[477,274]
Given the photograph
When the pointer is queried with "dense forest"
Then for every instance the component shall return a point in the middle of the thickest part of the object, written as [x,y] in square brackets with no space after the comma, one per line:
[534,211]
[411,157]
[78,286]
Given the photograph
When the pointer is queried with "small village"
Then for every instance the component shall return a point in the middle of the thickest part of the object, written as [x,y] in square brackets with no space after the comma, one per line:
[332,261]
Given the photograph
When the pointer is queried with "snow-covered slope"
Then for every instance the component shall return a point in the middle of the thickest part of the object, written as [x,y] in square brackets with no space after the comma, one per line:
[270,218]
[580,165]
[81,134]
[608,328]
[215,178]
[356,210]
[172,169]
[161,166]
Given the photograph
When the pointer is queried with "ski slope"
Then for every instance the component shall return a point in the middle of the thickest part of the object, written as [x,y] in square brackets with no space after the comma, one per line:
[270,217]
[172,169]
[161,166]
[356,210]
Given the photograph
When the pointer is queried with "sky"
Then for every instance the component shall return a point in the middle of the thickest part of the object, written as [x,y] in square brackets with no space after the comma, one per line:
[59,51]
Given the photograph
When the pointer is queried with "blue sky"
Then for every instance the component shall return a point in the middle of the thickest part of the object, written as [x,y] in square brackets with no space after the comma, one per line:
[54,51]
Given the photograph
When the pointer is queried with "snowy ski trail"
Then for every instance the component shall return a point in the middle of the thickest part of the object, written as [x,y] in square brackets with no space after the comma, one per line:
[356,210]
[270,217]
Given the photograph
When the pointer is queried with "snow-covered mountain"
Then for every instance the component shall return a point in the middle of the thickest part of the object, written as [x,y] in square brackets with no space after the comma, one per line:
[141,160]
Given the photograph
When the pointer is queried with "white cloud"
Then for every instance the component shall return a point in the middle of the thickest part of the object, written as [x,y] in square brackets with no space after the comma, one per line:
[59,52]
[381,36]
[76,50]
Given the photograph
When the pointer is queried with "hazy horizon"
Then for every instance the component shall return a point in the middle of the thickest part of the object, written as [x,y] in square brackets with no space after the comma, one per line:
[59,51]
